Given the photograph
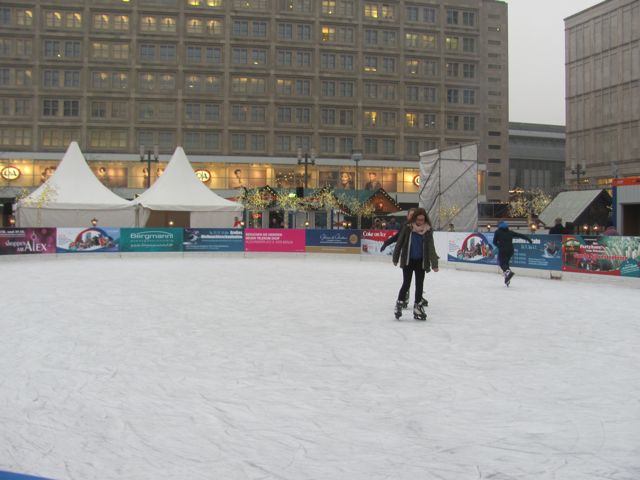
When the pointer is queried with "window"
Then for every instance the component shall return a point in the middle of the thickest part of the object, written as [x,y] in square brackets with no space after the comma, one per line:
[469,96]
[49,108]
[452,122]
[469,123]
[452,17]
[71,79]
[328,88]
[469,19]
[468,70]
[71,108]
[240,28]
[451,43]
[468,45]
[411,120]
[285,31]
[328,7]
[51,78]
[452,95]
[284,58]
[98,110]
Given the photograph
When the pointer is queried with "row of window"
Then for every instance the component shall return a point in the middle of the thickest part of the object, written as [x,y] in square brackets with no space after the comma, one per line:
[240,56]
[70,19]
[211,141]
[198,83]
[240,113]
[111,50]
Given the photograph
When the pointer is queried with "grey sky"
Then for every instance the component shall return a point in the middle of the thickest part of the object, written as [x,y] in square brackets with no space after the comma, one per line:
[536,58]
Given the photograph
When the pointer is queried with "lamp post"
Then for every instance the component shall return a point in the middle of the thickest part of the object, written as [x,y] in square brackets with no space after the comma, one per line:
[306,159]
[577,171]
[356,156]
[148,153]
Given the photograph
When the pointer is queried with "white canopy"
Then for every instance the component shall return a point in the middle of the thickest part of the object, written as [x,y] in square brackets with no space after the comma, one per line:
[72,197]
[180,190]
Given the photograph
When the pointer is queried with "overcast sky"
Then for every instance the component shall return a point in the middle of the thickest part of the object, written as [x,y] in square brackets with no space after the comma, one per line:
[536,58]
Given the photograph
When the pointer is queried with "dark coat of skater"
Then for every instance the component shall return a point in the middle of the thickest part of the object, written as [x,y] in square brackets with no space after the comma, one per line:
[503,239]
[416,253]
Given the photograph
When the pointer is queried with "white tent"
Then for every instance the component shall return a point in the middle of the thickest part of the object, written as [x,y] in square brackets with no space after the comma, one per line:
[180,199]
[72,197]
[449,190]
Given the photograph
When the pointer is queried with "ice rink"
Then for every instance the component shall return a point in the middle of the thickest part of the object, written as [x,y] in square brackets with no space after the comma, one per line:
[233,368]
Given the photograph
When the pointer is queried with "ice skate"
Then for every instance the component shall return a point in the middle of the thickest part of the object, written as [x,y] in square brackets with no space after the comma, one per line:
[418,312]
[398,310]
[405,303]
[424,302]
[508,275]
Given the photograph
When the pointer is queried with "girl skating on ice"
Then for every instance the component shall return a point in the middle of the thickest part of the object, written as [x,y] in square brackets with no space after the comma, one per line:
[416,253]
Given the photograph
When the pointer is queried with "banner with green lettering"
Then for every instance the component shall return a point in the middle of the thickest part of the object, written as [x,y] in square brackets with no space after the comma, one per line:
[151,240]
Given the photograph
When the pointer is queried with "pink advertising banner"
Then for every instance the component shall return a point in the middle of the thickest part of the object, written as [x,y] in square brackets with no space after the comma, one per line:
[15,241]
[274,240]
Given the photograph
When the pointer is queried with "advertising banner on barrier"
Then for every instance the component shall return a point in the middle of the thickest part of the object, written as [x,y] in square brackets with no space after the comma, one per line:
[333,241]
[15,241]
[213,240]
[544,253]
[91,239]
[602,255]
[471,248]
[151,239]
[372,241]
[274,240]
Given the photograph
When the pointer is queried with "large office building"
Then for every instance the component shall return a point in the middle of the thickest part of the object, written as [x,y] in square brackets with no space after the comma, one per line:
[603,92]
[253,88]
[536,157]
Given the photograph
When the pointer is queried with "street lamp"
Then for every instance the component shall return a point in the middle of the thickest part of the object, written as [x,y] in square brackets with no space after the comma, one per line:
[306,160]
[356,156]
[577,171]
[148,153]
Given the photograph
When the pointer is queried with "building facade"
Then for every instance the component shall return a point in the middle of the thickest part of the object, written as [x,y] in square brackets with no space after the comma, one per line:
[250,88]
[536,157]
[603,93]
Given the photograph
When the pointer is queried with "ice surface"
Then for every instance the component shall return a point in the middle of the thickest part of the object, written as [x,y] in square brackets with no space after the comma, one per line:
[294,368]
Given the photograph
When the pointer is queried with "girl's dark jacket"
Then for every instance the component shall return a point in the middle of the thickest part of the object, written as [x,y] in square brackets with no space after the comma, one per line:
[401,253]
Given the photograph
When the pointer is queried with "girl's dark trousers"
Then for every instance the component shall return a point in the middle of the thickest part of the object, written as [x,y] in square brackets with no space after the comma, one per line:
[414,266]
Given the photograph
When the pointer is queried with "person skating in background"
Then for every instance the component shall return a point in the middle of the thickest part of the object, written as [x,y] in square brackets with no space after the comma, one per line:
[610,230]
[416,254]
[503,239]
[557,228]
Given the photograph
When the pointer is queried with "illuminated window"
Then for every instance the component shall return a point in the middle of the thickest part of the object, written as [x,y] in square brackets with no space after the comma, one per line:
[452,43]
[148,23]
[101,21]
[53,19]
[411,66]
[121,22]
[411,120]
[168,24]
[371,10]
[328,34]
[370,118]
[328,7]
[24,17]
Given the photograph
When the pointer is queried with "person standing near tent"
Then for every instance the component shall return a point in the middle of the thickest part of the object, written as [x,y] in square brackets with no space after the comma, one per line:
[503,239]
[416,253]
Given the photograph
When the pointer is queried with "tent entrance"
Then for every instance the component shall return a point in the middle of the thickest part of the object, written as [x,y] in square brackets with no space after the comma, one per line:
[162,218]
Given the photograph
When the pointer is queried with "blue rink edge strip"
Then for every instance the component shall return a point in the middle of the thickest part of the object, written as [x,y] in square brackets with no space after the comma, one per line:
[17,476]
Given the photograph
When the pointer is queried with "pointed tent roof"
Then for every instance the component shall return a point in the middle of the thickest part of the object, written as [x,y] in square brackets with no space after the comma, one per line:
[569,205]
[179,189]
[74,186]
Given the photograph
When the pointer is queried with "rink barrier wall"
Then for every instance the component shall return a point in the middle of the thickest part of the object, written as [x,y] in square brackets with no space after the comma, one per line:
[548,256]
